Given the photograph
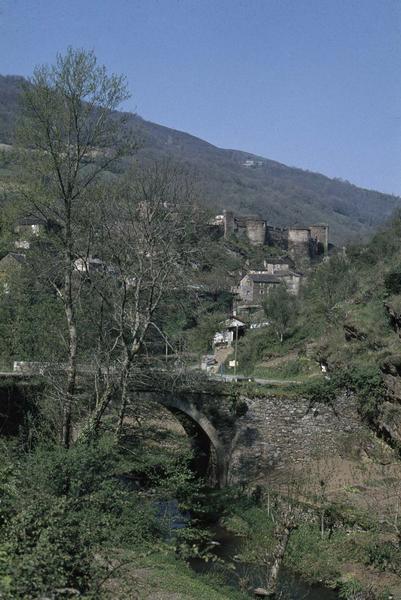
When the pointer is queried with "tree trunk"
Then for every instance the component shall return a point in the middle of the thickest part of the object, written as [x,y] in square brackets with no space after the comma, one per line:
[92,428]
[72,337]
[123,398]
[283,532]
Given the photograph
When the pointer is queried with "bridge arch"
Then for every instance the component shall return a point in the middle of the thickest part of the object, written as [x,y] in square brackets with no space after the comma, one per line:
[201,432]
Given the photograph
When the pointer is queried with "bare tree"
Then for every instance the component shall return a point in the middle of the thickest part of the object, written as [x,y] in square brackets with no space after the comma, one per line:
[147,239]
[68,137]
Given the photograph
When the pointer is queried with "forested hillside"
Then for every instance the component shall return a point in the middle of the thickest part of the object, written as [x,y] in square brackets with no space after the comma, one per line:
[281,194]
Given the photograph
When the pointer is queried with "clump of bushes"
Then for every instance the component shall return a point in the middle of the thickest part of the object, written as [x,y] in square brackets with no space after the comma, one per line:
[363,380]
[392,281]
[63,512]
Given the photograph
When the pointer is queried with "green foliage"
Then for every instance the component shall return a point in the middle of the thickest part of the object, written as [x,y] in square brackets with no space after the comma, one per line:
[364,380]
[292,369]
[256,529]
[367,382]
[280,308]
[321,390]
[320,558]
[171,576]
[330,283]
[60,508]
[201,337]
[384,556]
[350,589]
[392,281]
[48,549]
[311,554]
[252,347]
[382,248]
[31,319]
[168,474]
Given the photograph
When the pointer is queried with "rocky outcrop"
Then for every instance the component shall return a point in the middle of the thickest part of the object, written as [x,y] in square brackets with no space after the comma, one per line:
[352,333]
[389,423]
[391,371]
[388,420]
[394,316]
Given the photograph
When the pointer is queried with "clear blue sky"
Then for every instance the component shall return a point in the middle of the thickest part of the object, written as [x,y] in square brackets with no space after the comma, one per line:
[311,83]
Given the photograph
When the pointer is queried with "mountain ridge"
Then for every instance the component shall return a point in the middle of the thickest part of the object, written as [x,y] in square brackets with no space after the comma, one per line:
[281,194]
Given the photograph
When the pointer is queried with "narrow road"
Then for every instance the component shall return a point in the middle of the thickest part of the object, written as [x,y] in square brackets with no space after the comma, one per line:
[258,380]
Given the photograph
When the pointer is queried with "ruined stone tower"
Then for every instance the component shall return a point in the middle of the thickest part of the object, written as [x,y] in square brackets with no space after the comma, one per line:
[303,244]
[229,224]
[256,231]
[320,234]
[299,243]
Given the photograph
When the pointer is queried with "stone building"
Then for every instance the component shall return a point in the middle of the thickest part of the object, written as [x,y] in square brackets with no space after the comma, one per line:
[31,228]
[251,227]
[274,264]
[28,228]
[256,285]
[302,243]
[320,235]
[11,261]
[10,264]
[232,328]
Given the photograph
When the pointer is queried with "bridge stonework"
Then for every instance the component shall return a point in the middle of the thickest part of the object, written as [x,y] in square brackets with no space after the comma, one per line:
[279,433]
[255,437]
[246,437]
[213,414]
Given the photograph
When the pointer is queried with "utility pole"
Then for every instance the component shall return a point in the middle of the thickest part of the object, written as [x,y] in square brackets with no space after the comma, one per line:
[235,350]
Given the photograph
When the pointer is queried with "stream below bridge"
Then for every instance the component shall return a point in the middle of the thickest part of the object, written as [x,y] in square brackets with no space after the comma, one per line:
[227,546]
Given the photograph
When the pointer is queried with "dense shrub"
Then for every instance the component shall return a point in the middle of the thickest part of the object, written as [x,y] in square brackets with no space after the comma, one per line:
[62,509]
[392,281]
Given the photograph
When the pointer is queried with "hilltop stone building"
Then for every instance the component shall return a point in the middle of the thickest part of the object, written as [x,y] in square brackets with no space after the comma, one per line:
[301,243]
[256,285]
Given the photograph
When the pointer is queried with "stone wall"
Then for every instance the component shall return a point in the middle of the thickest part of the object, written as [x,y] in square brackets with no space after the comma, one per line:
[277,236]
[228,223]
[303,243]
[299,244]
[278,433]
[256,231]
[320,233]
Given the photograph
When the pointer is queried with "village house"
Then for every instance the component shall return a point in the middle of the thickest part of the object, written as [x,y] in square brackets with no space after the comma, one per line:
[28,228]
[274,264]
[9,264]
[11,261]
[256,285]
[89,264]
[232,328]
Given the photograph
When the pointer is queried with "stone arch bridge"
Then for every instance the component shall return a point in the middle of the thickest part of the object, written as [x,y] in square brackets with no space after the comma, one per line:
[210,419]
[237,437]
[207,411]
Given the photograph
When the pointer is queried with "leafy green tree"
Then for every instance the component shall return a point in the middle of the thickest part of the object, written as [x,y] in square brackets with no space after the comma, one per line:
[280,309]
[330,284]
[31,319]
